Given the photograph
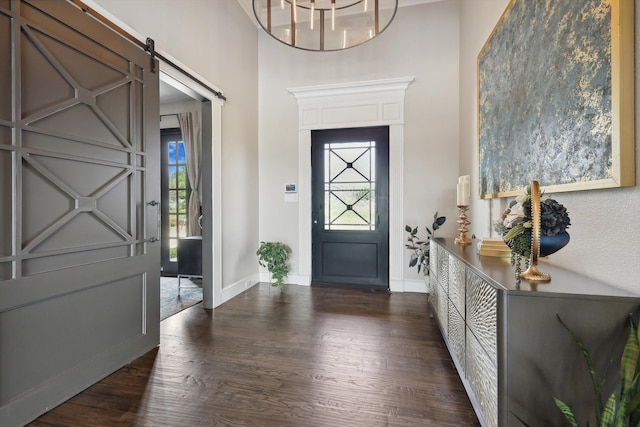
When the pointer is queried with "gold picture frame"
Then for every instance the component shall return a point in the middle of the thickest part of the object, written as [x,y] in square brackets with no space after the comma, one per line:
[556,97]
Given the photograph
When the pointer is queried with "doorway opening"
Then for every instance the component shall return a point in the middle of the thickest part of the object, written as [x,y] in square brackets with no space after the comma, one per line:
[177,292]
[178,83]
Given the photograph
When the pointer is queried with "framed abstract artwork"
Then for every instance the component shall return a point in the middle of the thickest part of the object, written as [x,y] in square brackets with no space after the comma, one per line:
[556,97]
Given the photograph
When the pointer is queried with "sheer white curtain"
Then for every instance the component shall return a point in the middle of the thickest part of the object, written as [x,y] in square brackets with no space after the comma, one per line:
[191,127]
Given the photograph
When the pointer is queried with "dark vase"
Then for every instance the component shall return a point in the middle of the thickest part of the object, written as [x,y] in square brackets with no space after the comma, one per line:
[552,244]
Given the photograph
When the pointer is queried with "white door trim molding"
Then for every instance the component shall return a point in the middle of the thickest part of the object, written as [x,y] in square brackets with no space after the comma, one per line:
[347,105]
[212,295]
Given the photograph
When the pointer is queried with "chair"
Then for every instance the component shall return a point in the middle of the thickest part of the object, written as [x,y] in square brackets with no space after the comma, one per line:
[189,259]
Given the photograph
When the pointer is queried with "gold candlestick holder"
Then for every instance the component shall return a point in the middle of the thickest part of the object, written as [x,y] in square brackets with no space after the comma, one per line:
[462,239]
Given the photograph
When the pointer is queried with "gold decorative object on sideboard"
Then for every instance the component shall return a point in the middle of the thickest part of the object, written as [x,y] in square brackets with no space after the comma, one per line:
[463,197]
[516,226]
[462,239]
[532,274]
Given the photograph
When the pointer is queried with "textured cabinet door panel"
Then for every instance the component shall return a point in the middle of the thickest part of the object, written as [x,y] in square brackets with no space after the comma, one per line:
[435,296]
[482,376]
[443,311]
[443,268]
[433,259]
[482,313]
[457,284]
[456,337]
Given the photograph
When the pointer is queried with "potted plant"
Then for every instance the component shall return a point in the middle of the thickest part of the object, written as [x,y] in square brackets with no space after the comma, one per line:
[420,248]
[274,257]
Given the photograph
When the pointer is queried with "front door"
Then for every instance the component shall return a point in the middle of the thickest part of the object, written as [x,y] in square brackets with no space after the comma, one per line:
[79,182]
[350,205]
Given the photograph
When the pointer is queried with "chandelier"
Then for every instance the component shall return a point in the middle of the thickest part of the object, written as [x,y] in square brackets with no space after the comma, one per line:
[324,25]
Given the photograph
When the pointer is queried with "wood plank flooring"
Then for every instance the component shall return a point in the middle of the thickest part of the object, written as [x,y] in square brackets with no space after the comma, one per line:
[309,357]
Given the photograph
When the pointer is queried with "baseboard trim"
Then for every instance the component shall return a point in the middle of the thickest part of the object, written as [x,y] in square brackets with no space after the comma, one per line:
[406,285]
[409,285]
[292,278]
[233,290]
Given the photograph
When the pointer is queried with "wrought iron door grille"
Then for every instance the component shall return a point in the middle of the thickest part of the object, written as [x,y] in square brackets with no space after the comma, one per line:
[350,186]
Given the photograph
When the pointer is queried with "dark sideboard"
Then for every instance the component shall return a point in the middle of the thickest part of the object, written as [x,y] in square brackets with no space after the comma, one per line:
[511,351]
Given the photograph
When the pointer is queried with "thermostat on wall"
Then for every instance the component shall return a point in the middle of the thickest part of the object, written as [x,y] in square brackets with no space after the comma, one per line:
[290,193]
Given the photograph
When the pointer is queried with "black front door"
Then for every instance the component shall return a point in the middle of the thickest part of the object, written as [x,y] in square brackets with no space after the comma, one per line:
[350,205]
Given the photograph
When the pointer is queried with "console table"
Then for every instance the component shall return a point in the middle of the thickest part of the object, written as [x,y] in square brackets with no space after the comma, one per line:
[511,351]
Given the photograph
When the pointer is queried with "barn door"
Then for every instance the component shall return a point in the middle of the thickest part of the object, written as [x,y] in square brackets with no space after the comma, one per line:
[79,174]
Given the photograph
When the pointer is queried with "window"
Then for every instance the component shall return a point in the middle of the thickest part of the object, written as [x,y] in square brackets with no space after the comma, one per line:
[350,186]
[177,189]
[176,192]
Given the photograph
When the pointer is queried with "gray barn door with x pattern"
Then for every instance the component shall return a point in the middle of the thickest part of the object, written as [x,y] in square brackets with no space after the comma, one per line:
[79,174]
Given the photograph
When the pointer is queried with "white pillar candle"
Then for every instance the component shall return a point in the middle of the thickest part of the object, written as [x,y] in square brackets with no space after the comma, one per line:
[464,190]
[467,189]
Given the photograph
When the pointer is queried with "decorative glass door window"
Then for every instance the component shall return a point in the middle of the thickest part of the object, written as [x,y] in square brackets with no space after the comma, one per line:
[178,193]
[350,186]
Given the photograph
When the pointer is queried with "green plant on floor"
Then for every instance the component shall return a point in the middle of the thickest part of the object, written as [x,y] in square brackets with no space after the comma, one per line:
[619,410]
[274,257]
[420,248]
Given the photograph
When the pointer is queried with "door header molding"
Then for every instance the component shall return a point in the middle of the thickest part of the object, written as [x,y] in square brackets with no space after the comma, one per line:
[368,86]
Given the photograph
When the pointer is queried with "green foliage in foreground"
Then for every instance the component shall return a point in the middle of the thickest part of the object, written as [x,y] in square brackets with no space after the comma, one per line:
[619,410]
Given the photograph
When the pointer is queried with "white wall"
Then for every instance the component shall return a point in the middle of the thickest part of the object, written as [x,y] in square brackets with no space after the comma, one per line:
[216,39]
[604,231]
[422,42]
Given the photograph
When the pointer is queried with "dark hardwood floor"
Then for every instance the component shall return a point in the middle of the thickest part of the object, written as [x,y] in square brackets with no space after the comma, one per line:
[309,357]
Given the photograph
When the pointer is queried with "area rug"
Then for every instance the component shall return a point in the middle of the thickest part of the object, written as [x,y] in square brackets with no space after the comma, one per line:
[172,303]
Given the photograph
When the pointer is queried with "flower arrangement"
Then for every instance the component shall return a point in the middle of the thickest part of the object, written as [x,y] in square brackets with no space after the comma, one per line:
[515,225]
